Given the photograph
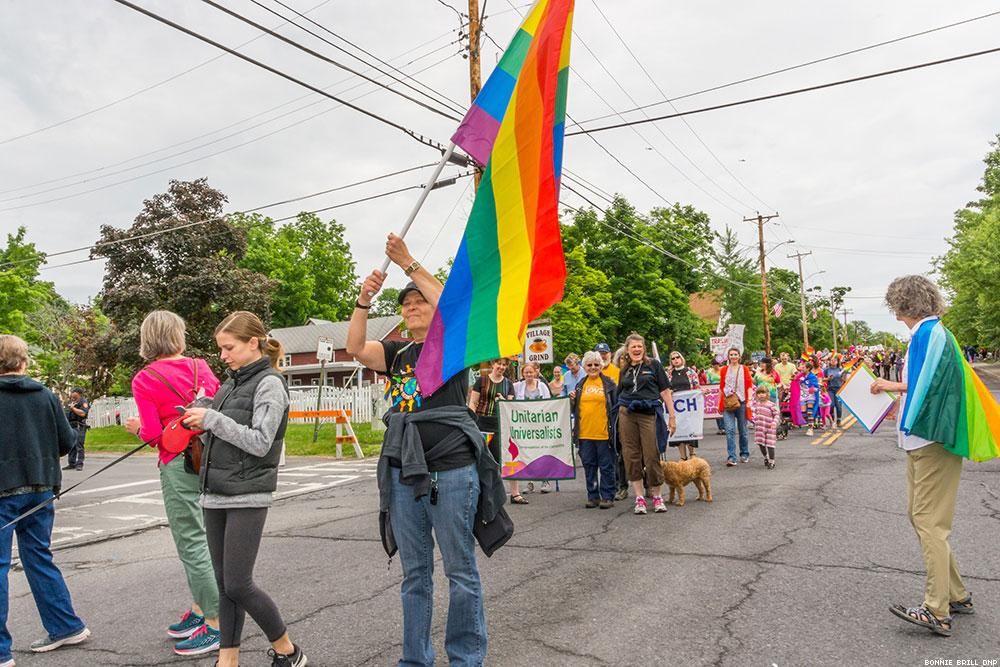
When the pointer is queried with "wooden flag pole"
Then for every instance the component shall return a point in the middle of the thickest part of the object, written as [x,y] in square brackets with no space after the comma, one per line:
[423,197]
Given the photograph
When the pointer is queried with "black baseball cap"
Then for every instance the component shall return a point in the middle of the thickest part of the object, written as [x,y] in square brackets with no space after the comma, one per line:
[410,287]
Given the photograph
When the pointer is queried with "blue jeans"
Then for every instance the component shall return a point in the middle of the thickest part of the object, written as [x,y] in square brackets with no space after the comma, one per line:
[34,535]
[598,459]
[452,519]
[736,419]
[836,409]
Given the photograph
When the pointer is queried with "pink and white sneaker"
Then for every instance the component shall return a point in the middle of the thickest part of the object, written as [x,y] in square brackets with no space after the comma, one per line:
[658,505]
[640,506]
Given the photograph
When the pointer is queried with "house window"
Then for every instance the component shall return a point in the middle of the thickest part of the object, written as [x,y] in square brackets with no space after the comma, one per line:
[314,382]
[285,362]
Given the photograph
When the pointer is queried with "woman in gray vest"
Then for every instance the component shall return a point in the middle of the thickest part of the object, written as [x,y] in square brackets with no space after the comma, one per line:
[239,474]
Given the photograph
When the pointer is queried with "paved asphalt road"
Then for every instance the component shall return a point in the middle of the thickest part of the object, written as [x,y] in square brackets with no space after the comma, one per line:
[792,566]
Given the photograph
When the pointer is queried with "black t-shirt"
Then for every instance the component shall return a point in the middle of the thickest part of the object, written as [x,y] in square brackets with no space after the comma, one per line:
[75,420]
[403,391]
[643,383]
[679,380]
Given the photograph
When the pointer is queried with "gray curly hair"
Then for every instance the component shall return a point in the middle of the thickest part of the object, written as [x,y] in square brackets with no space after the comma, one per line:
[914,297]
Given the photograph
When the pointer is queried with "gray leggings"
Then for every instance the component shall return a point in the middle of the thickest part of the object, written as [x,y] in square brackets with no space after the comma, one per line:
[233,540]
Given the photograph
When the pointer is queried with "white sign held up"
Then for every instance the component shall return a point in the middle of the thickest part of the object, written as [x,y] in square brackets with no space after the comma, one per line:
[689,407]
[538,344]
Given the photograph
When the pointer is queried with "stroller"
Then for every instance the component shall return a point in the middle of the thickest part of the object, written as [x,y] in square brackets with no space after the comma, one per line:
[784,404]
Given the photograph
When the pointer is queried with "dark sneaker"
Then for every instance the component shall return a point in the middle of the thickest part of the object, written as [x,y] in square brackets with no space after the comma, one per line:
[204,640]
[50,644]
[622,494]
[591,504]
[69,467]
[187,626]
[297,659]
[606,504]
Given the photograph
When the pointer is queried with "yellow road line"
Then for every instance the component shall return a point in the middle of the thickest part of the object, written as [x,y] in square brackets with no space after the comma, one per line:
[832,438]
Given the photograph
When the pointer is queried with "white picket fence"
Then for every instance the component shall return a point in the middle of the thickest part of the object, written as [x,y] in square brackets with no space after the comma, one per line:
[361,401]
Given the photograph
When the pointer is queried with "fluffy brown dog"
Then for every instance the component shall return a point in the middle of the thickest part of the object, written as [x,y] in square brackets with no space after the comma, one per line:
[679,473]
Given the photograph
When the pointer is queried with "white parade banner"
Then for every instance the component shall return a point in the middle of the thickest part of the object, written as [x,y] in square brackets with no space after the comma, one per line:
[536,440]
[689,406]
[538,344]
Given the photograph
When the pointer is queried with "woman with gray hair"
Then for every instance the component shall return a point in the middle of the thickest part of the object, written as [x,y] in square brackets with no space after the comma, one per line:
[594,422]
[933,471]
[34,433]
[171,379]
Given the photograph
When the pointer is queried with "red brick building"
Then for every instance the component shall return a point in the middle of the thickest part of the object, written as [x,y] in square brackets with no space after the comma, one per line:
[301,367]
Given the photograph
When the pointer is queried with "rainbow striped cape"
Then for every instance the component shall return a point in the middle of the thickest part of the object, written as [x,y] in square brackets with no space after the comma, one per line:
[946,401]
[509,267]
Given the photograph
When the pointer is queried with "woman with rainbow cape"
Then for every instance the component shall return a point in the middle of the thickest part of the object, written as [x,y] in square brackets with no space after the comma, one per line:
[947,415]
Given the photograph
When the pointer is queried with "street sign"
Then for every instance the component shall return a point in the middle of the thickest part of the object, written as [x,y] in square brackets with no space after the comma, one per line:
[324,350]
[538,344]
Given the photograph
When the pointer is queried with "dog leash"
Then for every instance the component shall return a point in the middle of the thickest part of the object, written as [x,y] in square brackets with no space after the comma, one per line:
[87,479]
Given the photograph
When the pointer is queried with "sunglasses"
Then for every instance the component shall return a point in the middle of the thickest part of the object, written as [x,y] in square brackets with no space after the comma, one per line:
[593,365]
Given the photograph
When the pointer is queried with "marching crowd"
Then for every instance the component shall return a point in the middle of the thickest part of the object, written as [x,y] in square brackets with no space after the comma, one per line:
[439,482]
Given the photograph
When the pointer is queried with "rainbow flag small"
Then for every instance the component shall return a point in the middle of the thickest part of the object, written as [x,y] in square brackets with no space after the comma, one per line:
[945,400]
[808,354]
[509,267]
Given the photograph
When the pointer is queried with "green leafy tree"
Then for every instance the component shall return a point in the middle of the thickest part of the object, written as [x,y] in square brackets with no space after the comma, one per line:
[386,302]
[310,262]
[969,270]
[736,276]
[643,278]
[21,292]
[179,254]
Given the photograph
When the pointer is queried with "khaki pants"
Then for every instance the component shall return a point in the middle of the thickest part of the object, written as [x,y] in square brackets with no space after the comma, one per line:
[637,433]
[932,476]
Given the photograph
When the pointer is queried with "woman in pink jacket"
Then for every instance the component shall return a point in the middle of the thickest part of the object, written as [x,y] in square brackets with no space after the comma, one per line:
[167,382]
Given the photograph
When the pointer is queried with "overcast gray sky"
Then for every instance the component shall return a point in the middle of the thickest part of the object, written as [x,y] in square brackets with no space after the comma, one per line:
[866,176]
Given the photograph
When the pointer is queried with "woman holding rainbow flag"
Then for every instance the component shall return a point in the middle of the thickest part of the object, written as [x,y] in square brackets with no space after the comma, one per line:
[947,414]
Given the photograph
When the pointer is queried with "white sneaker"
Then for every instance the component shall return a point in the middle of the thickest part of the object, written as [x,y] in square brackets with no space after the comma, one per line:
[809,431]
[7,663]
[640,506]
[50,644]
[545,487]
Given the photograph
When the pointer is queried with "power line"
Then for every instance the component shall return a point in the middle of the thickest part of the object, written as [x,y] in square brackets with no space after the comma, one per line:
[786,93]
[174,166]
[686,124]
[136,93]
[447,101]
[338,188]
[274,70]
[222,129]
[801,65]
[320,56]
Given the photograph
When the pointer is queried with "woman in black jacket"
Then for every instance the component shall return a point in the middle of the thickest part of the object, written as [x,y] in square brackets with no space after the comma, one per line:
[34,434]
[595,414]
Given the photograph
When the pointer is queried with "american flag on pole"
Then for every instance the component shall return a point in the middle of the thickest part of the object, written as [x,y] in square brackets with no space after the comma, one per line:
[778,308]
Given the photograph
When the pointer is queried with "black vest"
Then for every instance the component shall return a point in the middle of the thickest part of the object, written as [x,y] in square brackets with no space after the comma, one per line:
[227,470]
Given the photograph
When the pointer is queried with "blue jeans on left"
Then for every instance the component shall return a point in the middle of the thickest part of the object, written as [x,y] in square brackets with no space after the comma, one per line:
[599,468]
[451,519]
[836,409]
[736,420]
[34,536]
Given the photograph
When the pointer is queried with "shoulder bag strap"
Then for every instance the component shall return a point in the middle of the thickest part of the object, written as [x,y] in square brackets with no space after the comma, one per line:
[167,384]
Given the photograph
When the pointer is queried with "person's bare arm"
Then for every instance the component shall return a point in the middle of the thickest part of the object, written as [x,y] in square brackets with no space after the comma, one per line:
[430,287]
[368,352]
[881,384]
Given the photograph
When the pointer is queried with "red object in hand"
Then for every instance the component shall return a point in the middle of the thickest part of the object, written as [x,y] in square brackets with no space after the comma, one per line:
[176,436]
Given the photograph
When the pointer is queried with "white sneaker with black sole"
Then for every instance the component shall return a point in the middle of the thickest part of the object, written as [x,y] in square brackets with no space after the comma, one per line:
[50,644]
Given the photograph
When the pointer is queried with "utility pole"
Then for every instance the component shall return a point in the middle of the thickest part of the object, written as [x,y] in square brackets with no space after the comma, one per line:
[847,341]
[475,76]
[760,220]
[833,322]
[802,299]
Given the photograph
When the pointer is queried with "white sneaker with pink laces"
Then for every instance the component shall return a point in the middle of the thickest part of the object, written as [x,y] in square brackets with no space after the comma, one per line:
[658,505]
[640,506]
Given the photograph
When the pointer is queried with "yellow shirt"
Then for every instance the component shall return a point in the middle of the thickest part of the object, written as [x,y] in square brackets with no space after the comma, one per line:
[786,371]
[593,411]
[613,372]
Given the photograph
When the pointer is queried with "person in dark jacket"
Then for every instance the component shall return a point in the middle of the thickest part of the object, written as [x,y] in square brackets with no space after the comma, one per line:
[34,434]
[239,473]
[456,468]
[595,416]
[77,412]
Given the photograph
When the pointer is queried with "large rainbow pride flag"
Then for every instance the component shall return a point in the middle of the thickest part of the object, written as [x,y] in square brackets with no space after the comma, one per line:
[509,267]
[946,401]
